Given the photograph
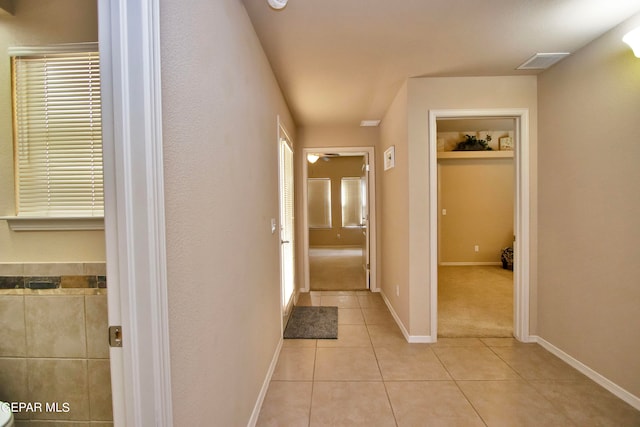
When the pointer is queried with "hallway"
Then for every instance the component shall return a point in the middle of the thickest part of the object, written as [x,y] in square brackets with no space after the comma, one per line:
[370,376]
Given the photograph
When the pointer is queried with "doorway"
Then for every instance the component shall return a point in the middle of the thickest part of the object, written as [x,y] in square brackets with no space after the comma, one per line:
[339,219]
[475,225]
[287,243]
[521,211]
[52,236]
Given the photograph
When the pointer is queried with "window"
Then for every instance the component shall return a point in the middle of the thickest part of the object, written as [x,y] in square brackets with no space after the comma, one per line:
[319,199]
[58,133]
[351,197]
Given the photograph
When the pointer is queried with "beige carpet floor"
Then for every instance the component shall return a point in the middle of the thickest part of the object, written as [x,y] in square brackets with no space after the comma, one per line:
[475,301]
[336,269]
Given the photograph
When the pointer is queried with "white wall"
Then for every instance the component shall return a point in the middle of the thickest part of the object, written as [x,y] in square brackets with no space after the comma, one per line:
[220,101]
[589,207]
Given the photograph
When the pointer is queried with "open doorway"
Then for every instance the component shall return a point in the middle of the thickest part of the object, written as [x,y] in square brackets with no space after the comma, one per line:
[53,280]
[338,205]
[476,195]
[287,242]
[521,205]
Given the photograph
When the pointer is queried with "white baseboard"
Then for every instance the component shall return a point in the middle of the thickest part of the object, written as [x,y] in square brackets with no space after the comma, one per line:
[459,264]
[595,376]
[413,339]
[265,386]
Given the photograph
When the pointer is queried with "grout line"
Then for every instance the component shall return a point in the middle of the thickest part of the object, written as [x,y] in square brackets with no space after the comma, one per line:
[470,403]
[313,381]
[459,388]
[528,382]
[384,384]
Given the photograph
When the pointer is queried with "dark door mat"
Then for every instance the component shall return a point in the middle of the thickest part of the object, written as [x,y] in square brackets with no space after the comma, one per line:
[313,323]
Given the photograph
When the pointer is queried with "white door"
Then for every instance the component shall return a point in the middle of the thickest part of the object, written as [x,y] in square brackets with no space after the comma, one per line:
[287,257]
[364,224]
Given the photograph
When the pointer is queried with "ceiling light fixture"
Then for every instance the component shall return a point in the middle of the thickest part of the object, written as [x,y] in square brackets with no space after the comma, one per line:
[632,38]
[277,4]
[312,158]
[366,123]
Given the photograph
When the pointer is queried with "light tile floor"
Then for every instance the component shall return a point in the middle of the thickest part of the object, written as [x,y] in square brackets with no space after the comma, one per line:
[370,376]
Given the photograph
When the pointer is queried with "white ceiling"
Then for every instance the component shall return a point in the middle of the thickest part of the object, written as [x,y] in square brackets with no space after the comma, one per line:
[342,61]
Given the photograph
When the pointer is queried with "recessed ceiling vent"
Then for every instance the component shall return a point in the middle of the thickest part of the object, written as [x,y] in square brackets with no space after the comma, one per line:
[542,61]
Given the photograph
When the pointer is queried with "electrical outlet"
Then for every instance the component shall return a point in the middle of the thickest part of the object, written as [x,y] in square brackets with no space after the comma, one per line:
[397,290]
[476,248]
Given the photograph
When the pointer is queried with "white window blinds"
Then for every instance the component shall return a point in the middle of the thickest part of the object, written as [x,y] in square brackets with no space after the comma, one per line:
[319,202]
[351,197]
[58,134]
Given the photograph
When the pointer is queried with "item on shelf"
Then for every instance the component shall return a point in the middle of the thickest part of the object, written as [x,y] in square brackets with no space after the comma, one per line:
[506,143]
[471,143]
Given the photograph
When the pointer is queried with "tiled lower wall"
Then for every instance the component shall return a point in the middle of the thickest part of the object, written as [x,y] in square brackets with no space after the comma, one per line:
[63,275]
[53,349]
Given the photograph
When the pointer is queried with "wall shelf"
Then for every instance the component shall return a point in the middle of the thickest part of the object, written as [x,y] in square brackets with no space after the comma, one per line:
[475,154]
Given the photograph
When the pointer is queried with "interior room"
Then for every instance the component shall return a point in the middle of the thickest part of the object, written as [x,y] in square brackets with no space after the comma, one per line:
[53,281]
[194,97]
[335,211]
[476,196]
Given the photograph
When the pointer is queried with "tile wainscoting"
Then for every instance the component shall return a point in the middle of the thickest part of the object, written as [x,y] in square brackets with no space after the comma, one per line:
[54,349]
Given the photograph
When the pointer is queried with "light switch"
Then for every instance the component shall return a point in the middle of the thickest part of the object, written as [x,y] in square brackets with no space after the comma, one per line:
[444,212]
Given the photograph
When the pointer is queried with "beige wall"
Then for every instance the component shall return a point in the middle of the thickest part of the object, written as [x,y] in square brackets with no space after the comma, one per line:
[35,23]
[394,201]
[408,184]
[589,207]
[336,168]
[220,102]
[329,136]
[6,6]
[478,197]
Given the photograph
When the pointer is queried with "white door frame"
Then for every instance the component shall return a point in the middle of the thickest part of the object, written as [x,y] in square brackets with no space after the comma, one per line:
[129,40]
[373,284]
[286,310]
[522,205]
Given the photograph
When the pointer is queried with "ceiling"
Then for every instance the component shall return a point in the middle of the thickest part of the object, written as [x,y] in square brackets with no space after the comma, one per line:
[342,61]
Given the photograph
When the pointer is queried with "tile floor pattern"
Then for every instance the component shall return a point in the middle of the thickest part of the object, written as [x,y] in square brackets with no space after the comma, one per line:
[370,376]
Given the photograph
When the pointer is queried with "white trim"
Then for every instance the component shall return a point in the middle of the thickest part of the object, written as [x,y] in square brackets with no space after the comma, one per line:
[288,307]
[413,339]
[25,223]
[461,264]
[370,151]
[135,223]
[265,386]
[52,49]
[614,388]
[521,223]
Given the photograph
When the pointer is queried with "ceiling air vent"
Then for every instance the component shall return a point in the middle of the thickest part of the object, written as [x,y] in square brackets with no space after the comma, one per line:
[542,61]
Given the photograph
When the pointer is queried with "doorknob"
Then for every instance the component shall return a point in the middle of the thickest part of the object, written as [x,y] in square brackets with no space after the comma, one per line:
[284,241]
